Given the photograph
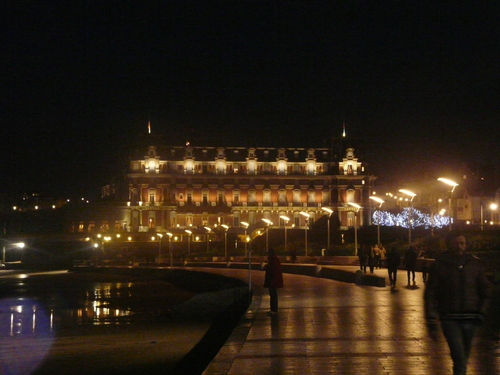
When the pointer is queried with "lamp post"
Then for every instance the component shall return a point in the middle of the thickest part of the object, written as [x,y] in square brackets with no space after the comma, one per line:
[357,207]
[493,207]
[160,236]
[307,216]
[170,248]
[411,195]
[208,231]
[268,222]
[189,239]
[249,252]
[330,212]
[453,185]
[285,219]
[19,245]
[245,226]
[381,202]
[225,240]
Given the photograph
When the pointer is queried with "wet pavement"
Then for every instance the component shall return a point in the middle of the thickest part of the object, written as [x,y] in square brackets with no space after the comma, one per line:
[330,327]
[323,327]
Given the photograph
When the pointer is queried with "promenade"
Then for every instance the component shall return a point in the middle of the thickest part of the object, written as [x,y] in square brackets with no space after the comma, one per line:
[331,327]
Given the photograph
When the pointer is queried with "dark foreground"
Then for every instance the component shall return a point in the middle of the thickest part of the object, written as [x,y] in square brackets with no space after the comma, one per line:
[115,322]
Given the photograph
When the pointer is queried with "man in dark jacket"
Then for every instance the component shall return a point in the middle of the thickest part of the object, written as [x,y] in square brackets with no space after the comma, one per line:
[393,262]
[411,263]
[457,293]
[273,280]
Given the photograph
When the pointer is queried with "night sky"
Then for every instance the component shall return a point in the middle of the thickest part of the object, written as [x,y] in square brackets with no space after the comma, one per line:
[418,82]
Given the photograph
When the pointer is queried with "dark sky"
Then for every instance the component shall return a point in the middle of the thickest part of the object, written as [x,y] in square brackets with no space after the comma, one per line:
[418,82]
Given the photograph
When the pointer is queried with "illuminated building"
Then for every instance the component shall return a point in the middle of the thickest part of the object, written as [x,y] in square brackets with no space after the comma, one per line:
[187,186]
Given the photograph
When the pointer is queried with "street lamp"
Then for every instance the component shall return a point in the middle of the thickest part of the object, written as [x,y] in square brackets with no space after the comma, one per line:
[208,231]
[245,225]
[249,252]
[19,245]
[330,212]
[189,239]
[357,207]
[170,248]
[268,222]
[285,219]
[381,202]
[307,216]
[493,207]
[412,195]
[453,185]
[160,236]
[225,239]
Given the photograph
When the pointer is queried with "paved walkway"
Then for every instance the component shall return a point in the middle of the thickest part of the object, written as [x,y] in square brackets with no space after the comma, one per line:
[330,327]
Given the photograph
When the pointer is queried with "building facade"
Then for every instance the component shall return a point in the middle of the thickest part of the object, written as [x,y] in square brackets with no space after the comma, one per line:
[196,187]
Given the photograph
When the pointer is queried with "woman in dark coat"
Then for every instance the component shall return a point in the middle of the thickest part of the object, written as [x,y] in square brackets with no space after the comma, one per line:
[273,280]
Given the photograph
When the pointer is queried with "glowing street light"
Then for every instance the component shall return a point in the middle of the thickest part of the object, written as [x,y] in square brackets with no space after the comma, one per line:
[268,222]
[357,207]
[493,207]
[307,216]
[245,225]
[285,219]
[249,252]
[160,236]
[189,239]
[453,185]
[381,202]
[208,231]
[330,212]
[412,195]
[170,248]
[225,239]
[19,245]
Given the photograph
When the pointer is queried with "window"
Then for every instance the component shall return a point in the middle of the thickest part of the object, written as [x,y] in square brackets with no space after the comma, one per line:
[267,196]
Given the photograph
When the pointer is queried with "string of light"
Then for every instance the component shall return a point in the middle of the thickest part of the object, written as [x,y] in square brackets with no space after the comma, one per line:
[418,219]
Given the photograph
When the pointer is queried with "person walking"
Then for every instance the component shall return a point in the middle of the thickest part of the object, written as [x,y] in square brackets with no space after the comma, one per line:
[383,256]
[371,258]
[393,262]
[457,294]
[410,263]
[376,256]
[363,258]
[273,280]
[424,268]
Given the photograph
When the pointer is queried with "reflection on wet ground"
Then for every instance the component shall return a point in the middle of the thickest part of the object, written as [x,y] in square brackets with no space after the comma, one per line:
[41,303]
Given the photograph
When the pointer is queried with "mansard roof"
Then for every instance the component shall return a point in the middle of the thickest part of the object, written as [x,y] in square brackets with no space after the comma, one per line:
[238,154]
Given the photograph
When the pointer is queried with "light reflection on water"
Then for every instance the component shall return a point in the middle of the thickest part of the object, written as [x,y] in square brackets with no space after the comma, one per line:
[24,316]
